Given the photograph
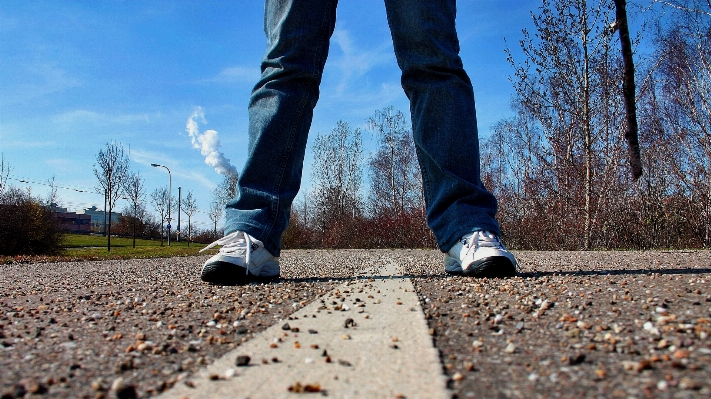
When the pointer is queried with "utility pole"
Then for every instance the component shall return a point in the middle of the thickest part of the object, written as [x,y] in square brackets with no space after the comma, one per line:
[178,230]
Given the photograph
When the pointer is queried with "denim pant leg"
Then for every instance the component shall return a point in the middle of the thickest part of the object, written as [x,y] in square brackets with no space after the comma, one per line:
[280,112]
[443,118]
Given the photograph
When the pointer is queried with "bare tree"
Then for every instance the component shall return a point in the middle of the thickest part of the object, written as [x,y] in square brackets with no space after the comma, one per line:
[227,189]
[111,169]
[52,198]
[685,98]
[159,198]
[396,181]
[190,207]
[566,83]
[134,190]
[4,174]
[515,167]
[133,221]
[337,175]
[215,214]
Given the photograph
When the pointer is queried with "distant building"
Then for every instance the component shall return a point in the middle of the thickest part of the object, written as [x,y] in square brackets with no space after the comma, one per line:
[56,208]
[73,222]
[97,218]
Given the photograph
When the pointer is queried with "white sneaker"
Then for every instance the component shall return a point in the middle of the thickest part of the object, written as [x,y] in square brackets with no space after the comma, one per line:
[480,254]
[241,259]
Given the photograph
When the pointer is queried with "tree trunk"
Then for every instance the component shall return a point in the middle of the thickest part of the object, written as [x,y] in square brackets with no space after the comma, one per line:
[108,245]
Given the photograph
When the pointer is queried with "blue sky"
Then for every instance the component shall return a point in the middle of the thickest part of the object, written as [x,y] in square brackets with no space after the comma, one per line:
[75,75]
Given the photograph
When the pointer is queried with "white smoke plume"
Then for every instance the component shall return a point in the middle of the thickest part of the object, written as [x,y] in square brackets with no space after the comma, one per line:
[208,143]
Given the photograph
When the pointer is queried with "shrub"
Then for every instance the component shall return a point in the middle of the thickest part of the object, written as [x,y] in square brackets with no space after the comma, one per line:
[28,227]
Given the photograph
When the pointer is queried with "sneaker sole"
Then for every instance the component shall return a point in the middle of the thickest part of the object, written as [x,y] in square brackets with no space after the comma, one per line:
[491,267]
[225,273]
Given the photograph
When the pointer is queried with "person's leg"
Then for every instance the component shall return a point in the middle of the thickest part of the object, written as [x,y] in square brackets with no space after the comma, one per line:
[443,118]
[280,113]
[460,211]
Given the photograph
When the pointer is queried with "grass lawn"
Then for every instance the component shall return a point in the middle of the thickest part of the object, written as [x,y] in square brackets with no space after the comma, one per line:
[86,247]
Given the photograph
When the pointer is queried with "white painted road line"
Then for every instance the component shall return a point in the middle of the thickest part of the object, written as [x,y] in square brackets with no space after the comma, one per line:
[385,352]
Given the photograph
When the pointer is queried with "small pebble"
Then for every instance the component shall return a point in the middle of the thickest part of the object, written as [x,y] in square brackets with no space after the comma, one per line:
[299,388]
[510,348]
[576,359]
[688,383]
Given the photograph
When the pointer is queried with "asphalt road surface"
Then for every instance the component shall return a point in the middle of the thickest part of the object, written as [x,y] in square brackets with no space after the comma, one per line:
[572,324]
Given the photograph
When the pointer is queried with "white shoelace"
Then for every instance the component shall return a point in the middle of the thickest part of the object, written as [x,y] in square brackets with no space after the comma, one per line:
[234,244]
[480,239]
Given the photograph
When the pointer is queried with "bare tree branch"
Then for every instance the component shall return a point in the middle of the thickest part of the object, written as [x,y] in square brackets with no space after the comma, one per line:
[684,7]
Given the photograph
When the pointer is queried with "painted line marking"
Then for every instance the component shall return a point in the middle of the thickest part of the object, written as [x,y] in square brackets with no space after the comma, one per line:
[385,352]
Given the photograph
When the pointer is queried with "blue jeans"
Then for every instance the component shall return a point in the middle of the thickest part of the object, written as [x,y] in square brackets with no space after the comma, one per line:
[441,104]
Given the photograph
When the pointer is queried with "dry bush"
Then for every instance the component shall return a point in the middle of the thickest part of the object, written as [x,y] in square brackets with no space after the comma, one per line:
[28,227]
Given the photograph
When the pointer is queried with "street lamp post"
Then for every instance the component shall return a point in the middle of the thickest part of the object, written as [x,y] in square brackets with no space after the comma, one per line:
[177,237]
[170,193]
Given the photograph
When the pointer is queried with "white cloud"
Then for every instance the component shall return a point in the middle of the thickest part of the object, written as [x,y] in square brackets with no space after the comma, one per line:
[81,116]
[360,79]
[236,74]
[354,62]
[26,143]
[41,80]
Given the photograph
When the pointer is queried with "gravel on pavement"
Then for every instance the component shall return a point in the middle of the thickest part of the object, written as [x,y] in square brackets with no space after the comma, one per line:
[576,324]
